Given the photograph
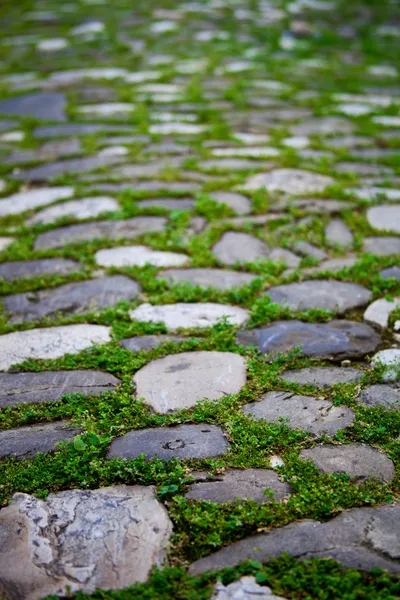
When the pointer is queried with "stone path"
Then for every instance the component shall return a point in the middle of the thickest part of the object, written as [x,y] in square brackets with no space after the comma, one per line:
[200,293]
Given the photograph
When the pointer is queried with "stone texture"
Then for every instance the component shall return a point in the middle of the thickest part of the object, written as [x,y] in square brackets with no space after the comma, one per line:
[322,126]
[46,152]
[381,395]
[356,460]
[239,483]
[237,202]
[382,246]
[25,442]
[168,203]
[385,217]
[361,538]
[379,311]
[31,268]
[306,249]
[290,181]
[64,167]
[84,208]
[180,380]
[390,360]
[336,340]
[50,342]
[73,298]
[148,342]
[315,416]
[391,272]
[283,255]
[337,232]
[129,256]
[322,376]
[123,533]
[181,441]
[49,106]
[216,278]
[245,588]
[201,314]
[5,242]
[235,247]
[50,131]
[337,296]
[30,199]
[83,232]
[48,386]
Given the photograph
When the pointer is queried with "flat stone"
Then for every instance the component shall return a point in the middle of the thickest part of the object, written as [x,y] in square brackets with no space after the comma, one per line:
[5,242]
[337,232]
[333,265]
[336,340]
[372,193]
[356,460]
[379,311]
[361,538]
[50,342]
[46,152]
[50,131]
[318,417]
[381,395]
[48,106]
[168,203]
[237,202]
[391,272]
[337,296]
[114,230]
[148,342]
[317,205]
[239,483]
[322,126]
[200,314]
[73,298]
[123,533]
[290,181]
[306,249]
[385,217]
[283,255]
[231,164]
[25,442]
[390,360]
[236,247]
[49,386]
[17,203]
[84,208]
[63,167]
[382,246]
[245,588]
[128,256]
[247,152]
[106,109]
[322,376]
[176,129]
[71,76]
[181,441]
[31,268]
[215,278]
[362,168]
[6,124]
[180,380]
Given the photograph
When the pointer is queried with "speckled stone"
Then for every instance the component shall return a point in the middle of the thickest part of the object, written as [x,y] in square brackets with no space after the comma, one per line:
[197,314]
[235,247]
[381,395]
[216,278]
[322,376]
[32,268]
[25,442]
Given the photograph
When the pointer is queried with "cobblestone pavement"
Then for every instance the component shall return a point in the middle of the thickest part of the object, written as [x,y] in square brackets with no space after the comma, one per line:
[200,311]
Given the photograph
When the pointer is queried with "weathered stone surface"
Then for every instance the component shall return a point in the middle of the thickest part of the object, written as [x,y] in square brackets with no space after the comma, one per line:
[379,311]
[245,588]
[361,538]
[237,202]
[31,268]
[391,272]
[322,126]
[72,165]
[337,296]
[5,242]
[306,249]
[21,201]
[236,247]
[49,106]
[50,131]
[382,246]
[129,256]
[148,342]
[123,532]
[48,386]
[337,232]
[50,342]
[168,203]
[334,265]
[84,208]
[390,360]
[232,164]
[182,441]
[72,298]
[322,376]
[239,483]
[180,380]
[216,278]
[381,395]
[283,255]
[28,441]
[357,460]
[337,339]
[385,217]
[317,205]
[127,228]
[47,151]
[314,416]
[289,181]
[199,314]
